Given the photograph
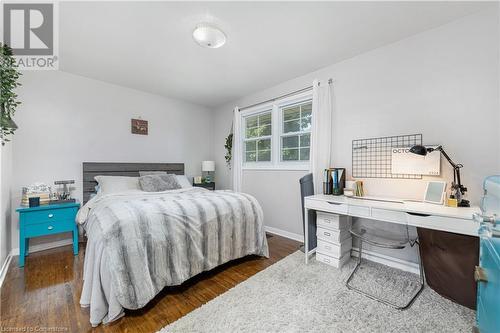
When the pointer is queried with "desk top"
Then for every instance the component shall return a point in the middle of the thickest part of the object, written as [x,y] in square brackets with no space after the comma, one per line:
[401,205]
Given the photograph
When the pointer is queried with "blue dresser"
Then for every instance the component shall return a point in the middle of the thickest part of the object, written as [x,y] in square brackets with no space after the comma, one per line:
[46,220]
[487,274]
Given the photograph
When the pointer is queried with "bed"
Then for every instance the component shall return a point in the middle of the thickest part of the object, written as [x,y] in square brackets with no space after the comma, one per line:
[139,242]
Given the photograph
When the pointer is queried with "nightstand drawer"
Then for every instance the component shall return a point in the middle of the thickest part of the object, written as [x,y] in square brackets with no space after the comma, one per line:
[48,228]
[48,215]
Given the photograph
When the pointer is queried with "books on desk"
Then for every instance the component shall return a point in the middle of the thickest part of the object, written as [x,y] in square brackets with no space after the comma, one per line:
[334,239]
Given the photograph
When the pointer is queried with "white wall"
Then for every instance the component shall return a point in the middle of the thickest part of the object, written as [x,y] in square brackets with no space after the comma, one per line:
[5,201]
[443,83]
[67,119]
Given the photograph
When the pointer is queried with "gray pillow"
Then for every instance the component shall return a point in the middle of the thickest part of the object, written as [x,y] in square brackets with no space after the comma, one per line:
[159,183]
[149,173]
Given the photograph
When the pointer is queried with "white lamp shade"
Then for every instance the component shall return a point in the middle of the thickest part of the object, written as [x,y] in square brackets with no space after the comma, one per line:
[208,166]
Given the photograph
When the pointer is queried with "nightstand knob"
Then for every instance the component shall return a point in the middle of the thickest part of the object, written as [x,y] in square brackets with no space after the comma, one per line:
[51,215]
[50,227]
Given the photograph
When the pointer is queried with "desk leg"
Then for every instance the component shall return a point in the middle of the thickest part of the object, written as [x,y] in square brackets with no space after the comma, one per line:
[22,247]
[26,246]
[75,240]
[306,234]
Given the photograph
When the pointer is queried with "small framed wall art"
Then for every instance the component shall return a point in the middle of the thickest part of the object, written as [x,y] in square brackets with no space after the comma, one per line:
[139,126]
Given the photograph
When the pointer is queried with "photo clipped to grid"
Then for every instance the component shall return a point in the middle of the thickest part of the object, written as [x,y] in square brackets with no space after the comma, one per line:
[372,158]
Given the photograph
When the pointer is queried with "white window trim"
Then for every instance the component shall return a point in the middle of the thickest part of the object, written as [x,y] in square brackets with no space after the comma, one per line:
[276,130]
[251,112]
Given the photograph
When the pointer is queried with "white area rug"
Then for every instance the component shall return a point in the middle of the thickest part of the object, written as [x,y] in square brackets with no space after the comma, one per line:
[292,297]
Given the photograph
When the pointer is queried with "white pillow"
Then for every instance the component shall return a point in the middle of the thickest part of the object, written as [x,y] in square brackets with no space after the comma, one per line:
[183,181]
[116,184]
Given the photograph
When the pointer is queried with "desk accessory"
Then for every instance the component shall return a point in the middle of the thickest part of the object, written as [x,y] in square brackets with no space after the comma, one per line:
[38,190]
[458,190]
[63,193]
[452,202]
[34,202]
[358,189]
[372,158]
[207,167]
[435,192]
[338,181]
[334,181]
[327,182]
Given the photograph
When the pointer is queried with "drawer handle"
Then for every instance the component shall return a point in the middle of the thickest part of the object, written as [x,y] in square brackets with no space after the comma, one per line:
[328,247]
[51,216]
[50,227]
[480,274]
[418,214]
[326,260]
[334,203]
[327,233]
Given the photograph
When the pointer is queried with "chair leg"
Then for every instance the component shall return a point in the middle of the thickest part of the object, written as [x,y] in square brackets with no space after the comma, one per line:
[355,268]
[376,298]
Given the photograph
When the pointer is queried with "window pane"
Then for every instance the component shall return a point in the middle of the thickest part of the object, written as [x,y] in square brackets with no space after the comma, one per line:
[305,140]
[305,124]
[265,119]
[306,108]
[291,113]
[290,142]
[251,122]
[304,154]
[252,132]
[251,157]
[264,156]
[290,154]
[251,146]
[291,126]
[265,130]
[264,144]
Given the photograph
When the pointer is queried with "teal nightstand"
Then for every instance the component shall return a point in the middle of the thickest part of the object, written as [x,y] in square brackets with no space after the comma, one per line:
[46,220]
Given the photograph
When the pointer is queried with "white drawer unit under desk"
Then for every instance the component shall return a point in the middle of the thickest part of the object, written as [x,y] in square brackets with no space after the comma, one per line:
[424,215]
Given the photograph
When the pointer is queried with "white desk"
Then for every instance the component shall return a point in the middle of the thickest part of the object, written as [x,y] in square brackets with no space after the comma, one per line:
[457,220]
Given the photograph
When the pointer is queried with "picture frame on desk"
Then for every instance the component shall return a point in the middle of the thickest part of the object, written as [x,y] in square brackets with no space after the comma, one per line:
[435,192]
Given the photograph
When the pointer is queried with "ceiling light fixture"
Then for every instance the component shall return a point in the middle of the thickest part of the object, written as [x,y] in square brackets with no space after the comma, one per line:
[209,36]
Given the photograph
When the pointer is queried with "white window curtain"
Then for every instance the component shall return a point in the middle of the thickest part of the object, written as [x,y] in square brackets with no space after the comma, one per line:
[237,151]
[321,132]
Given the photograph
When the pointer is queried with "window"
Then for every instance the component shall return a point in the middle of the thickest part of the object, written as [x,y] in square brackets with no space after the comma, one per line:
[296,132]
[258,134]
[278,135]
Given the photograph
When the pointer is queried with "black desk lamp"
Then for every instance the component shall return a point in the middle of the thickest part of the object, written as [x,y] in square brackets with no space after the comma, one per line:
[457,187]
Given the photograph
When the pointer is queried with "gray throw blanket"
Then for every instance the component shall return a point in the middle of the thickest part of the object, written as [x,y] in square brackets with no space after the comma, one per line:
[162,239]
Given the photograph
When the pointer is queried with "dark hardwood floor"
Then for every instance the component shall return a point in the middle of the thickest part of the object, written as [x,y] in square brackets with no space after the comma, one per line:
[45,294]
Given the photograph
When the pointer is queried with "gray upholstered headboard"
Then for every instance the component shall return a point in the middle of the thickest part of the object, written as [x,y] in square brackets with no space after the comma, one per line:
[92,169]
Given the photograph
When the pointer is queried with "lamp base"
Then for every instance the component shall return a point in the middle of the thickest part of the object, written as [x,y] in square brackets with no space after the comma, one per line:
[464,203]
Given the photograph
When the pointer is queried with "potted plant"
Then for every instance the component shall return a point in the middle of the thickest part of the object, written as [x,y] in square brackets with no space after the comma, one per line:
[229,147]
[8,98]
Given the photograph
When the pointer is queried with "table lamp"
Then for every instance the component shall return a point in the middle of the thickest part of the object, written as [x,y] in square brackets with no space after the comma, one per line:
[457,187]
[208,167]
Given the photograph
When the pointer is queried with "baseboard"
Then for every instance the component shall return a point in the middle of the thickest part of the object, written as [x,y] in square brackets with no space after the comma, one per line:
[403,265]
[5,268]
[45,246]
[286,234]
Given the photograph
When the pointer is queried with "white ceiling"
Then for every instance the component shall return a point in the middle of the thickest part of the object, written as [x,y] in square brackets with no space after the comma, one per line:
[148,45]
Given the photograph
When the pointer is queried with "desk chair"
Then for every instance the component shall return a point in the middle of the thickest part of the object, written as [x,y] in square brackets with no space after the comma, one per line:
[307,189]
[396,243]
